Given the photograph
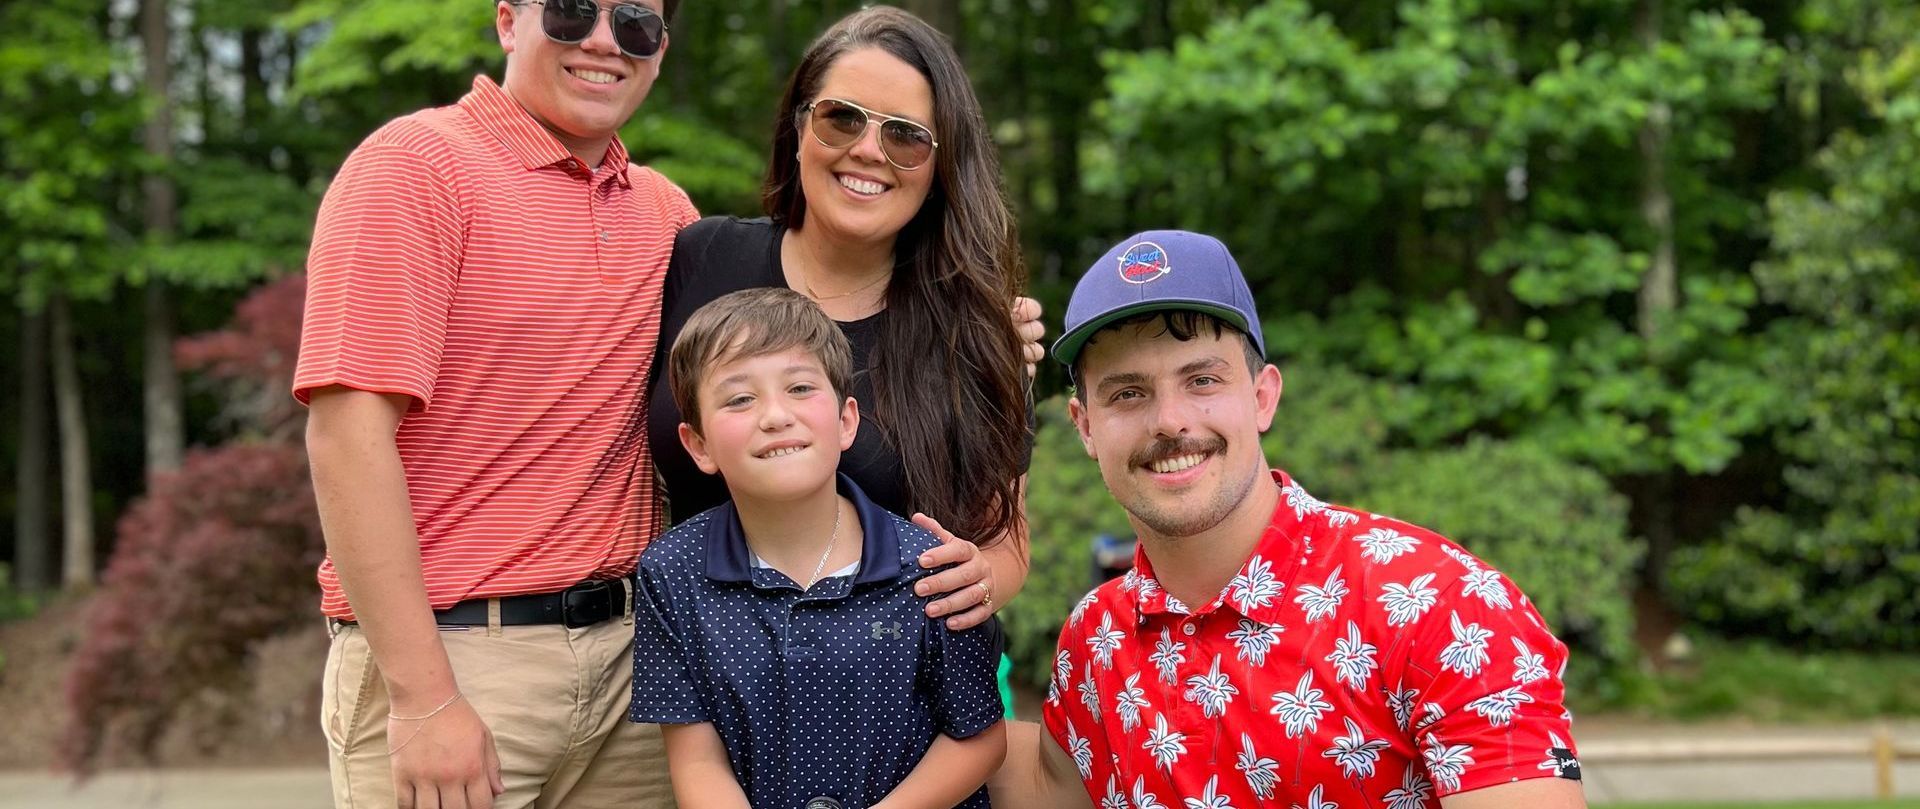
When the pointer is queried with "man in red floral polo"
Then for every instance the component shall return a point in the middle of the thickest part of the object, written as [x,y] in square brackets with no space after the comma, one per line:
[1267,649]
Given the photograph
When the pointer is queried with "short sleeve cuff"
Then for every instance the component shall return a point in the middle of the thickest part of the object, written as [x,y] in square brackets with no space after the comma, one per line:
[664,714]
[1484,777]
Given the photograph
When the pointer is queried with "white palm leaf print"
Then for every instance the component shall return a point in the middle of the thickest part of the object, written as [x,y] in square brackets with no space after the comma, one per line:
[1498,707]
[1429,713]
[1528,667]
[1115,799]
[1339,519]
[1263,774]
[1466,561]
[1210,798]
[1062,672]
[1383,545]
[1485,584]
[1352,658]
[1468,651]
[1129,702]
[1166,744]
[1080,607]
[1255,585]
[1405,603]
[1354,752]
[1148,586]
[1301,502]
[1167,657]
[1321,602]
[1176,606]
[1414,792]
[1300,709]
[1104,641]
[1211,691]
[1252,640]
[1142,799]
[1090,693]
[1402,700]
[1081,750]
[1447,762]
[1316,801]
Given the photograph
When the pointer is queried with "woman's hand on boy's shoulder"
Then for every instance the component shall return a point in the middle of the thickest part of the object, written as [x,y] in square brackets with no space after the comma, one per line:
[967,585]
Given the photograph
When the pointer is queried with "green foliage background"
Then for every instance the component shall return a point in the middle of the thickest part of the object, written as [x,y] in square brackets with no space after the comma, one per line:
[1456,215]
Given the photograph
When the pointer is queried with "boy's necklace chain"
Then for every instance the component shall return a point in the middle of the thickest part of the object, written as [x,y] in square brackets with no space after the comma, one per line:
[831,538]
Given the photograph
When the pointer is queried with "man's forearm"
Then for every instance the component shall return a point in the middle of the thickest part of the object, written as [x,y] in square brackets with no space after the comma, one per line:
[1036,774]
[950,771]
[361,490]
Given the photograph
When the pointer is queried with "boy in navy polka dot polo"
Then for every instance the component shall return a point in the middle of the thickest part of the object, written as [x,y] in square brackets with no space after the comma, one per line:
[777,637]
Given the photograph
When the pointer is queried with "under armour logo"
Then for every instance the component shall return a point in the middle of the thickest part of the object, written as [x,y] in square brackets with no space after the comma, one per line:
[882,631]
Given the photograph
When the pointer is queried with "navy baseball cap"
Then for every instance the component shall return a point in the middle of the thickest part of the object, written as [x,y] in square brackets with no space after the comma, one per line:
[1158,270]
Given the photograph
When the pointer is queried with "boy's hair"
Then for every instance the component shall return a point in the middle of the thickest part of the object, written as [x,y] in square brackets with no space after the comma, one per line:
[754,323]
[1184,325]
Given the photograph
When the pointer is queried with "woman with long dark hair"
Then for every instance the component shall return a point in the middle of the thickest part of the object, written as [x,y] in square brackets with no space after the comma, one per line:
[884,206]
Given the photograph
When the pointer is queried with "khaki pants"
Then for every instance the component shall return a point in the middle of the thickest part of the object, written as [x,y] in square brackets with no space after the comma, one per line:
[555,698]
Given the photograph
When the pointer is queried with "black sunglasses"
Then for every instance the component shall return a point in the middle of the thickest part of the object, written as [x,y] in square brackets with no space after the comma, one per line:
[839,124]
[639,31]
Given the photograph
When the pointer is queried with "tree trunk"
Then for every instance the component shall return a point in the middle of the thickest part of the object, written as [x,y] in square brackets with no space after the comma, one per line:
[76,472]
[165,428]
[1659,290]
[32,543]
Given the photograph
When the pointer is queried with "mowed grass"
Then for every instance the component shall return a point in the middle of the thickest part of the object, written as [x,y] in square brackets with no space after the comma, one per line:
[1893,804]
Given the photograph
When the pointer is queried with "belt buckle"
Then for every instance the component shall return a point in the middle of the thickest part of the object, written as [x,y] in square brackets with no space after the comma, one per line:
[586,603]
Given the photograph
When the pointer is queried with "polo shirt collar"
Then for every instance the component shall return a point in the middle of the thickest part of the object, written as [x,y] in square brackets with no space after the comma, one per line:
[536,148]
[1258,590]
[730,560]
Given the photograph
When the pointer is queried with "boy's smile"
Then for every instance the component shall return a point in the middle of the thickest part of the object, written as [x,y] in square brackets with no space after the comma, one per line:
[766,423]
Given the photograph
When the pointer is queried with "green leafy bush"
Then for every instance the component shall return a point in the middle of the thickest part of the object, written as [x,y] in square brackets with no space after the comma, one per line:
[1838,562]
[1766,682]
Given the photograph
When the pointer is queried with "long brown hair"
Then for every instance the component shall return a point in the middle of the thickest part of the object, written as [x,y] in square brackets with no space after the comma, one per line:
[948,381]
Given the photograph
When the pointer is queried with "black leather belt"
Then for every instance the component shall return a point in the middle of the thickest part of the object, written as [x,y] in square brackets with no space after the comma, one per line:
[583,604]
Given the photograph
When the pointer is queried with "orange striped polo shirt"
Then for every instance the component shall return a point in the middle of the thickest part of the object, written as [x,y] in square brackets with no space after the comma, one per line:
[464,258]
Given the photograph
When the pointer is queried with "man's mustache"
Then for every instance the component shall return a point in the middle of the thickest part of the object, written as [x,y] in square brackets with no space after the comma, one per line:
[1175,447]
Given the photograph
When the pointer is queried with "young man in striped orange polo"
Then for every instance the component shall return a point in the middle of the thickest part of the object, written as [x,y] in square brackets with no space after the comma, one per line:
[483,301]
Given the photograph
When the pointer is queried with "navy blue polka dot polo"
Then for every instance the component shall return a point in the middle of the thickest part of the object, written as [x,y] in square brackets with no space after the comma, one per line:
[833,692]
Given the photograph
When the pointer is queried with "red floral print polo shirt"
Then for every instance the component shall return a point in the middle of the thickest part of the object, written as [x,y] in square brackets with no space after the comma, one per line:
[1355,661]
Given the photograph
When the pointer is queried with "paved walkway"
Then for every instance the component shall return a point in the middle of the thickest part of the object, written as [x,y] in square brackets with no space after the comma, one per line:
[302,788]
[1623,763]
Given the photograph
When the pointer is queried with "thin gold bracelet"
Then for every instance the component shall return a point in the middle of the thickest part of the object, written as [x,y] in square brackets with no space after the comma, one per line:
[428,715]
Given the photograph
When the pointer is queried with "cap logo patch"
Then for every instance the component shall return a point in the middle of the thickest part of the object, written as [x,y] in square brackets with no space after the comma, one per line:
[1142,262]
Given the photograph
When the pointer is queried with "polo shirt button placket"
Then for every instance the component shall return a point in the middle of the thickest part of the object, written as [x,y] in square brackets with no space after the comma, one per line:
[605,240]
